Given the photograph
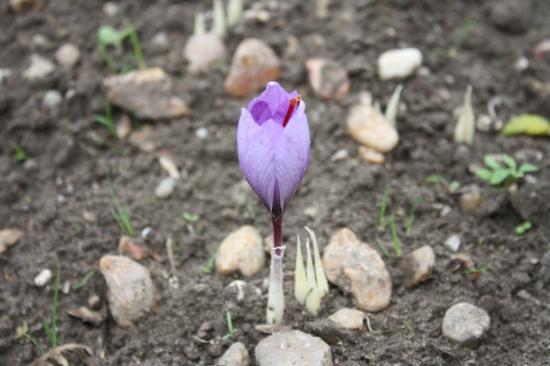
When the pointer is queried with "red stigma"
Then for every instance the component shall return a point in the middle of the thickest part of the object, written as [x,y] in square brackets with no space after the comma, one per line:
[294,102]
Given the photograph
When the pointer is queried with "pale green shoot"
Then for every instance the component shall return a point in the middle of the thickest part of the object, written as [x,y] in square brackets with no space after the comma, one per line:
[234,12]
[393,106]
[50,327]
[383,208]
[120,213]
[410,218]
[396,243]
[219,19]
[465,126]
[199,27]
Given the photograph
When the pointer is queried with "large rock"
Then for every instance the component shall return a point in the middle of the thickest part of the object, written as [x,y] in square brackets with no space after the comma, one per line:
[357,268]
[418,265]
[511,15]
[328,79]
[131,292]
[465,323]
[253,65]
[202,50]
[147,92]
[293,348]
[369,127]
[236,355]
[241,250]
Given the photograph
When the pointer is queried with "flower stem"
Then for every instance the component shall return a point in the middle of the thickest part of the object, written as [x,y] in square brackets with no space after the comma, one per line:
[276,300]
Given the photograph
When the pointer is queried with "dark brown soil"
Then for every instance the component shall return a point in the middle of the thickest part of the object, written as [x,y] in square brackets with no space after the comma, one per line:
[71,171]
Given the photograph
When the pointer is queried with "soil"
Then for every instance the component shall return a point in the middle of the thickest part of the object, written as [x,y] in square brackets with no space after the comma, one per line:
[71,159]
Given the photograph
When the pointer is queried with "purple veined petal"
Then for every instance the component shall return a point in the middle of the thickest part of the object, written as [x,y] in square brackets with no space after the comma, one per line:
[256,147]
[292,155]
[271,104]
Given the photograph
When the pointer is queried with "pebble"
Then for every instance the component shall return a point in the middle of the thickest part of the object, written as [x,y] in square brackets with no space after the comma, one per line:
[123,127]
[371,155]
[370,128]
[201,133]
[67,55]
[86,315]
[339,155]
[43,278]
[94,302]
[110,9]
[160,41]
[9,237]
[167,163]
[147,92]
[40,41]
[466,324]
[511,15]
[165,188]
[52,99]
[253,65]
[39,68]
[453,243]
[240,291]
[399,63]
[241,250]
[203,50]
[418,266]
[143,139]
[131,292]
[470,200]
[357,268]
[328,78]
[5,73]
[236,355]
[348,318]
[293,348]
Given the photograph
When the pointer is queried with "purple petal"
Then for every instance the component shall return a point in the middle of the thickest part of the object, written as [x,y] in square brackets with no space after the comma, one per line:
[273,157]
[271,104]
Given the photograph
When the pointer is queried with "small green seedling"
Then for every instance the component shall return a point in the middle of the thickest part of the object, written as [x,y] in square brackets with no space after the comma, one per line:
[19,154]
[383,249]
[480,269]
[383,207]
[120,213]
[108,36]
[396,243]
[209,266]
[190,217]
[229,321]
[503,176]
[50,327]
[410,219]
[461,37]
[434,179]
[84,279]
[527,124]
[22,331]
[106,120]
[523,228]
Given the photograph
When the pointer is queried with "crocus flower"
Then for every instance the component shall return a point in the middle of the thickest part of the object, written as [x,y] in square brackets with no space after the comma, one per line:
[273,146]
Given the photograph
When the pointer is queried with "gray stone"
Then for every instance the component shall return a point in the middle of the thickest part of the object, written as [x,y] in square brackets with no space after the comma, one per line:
[347,318]
[67,55]
[52,99]
[131,292]
[511,15]
[293,348]
[236,355]
[357,268]
[39,68]
[465,323]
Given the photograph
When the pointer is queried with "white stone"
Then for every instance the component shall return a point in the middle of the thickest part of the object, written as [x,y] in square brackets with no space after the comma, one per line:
[131,291]
[39,68]
[43,278]
[241,250]
[110,9]
[52,99]
[465,323]
[453,243]
[369,127]
[293,348]
[201,133]
[5,73]
[236,355]
[165,188]
[67,55]
[399,63]
[347,318]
